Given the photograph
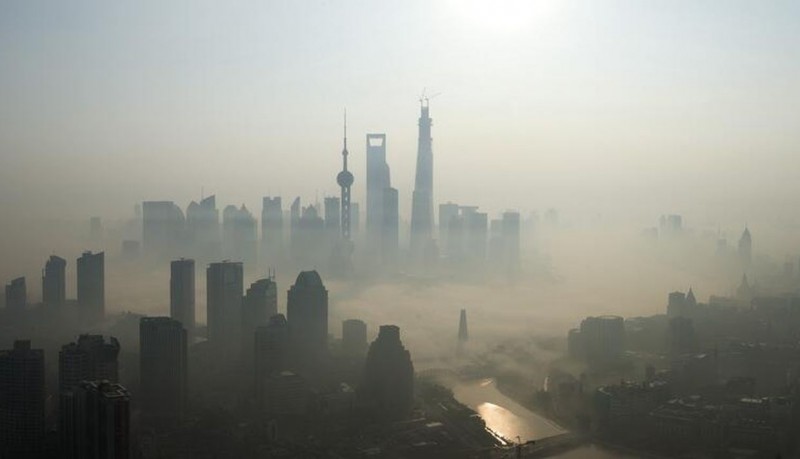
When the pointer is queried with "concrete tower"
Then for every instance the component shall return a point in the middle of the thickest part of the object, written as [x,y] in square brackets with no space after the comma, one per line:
[345,181]
[422,198]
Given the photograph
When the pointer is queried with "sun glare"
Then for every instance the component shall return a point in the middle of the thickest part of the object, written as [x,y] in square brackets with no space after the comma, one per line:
[503,16]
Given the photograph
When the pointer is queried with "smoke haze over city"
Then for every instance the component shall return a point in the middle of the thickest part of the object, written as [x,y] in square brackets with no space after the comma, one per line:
[420,229]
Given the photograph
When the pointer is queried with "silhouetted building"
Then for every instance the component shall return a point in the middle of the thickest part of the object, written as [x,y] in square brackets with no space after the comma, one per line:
[95,229]
[97,420]
[511,239]
[286,393]
[22,401]
[202,221]
[333,216]
[447,213]
[224,288]
[382,201]
[599,340]
[422,198]
[54,283]
[354,337]
[745,291]
[309,239]
[16,295]
[164,373]
[271,352]
[272,227]
[239,234]
[182,293]
[746,247]
[307,311]
[92,285]
[88,359]
[258,305]
[670,225]
[163,228]
[388,387]
[681,304]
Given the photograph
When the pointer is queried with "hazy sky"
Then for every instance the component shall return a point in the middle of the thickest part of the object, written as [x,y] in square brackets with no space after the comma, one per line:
[641,106]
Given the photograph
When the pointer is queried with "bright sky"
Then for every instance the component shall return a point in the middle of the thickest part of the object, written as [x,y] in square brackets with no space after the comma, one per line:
[641,107]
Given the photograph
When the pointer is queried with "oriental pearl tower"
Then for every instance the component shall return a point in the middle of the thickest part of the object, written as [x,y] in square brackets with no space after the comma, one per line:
[345,181]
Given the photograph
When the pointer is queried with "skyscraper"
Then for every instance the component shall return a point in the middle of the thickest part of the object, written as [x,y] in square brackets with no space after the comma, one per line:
[91,358]
[388,375]
[54,284]
[422,198]
[16,295]
[333,216]
[271,227]
[22,401]
[345,181]
[390,226]
[258,305]
[271,352]
[511,240]
[746,247]
[307,310]
[202,221]
[181,293]
[239,234]
[97,422]
[163,228]
[91,285]
[354,337]
[378,180]
[224,288]
[164,377]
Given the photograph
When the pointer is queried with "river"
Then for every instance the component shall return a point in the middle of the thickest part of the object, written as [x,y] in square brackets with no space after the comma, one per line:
[510,420]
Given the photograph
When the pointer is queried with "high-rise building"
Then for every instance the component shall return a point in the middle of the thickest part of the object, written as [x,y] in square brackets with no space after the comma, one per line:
[258,305]
[378,180]
[54,283]
[746,247]
[202,221]
[97,422]
[271,352]
[271,227]
[447,213]
[16,295]
[333,216]
[307,310]
[224,288]
[92,285]
[388,375]
[22,401]
[88,359]
[602,338]
[511,240]
[91,358]
[354,337]
[181,293]
[163,228]
[164,377]
[308,238]
[422,198]
[239,234]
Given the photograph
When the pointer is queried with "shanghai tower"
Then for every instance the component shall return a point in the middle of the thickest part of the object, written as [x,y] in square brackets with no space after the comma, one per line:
[422,199]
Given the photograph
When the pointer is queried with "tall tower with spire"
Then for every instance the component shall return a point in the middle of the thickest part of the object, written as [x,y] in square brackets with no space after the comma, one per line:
[422,198]
[345,181]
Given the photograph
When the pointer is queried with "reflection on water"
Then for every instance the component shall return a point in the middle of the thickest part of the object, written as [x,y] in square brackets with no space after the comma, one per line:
[503,415]
[510,420]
